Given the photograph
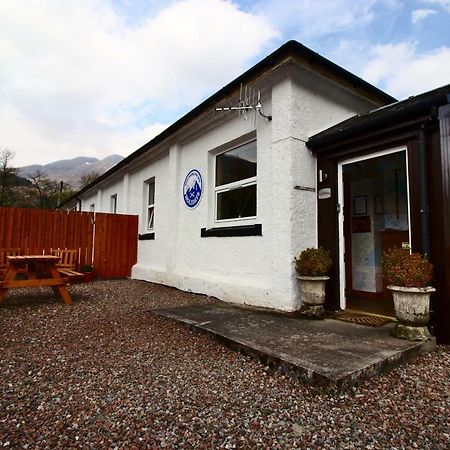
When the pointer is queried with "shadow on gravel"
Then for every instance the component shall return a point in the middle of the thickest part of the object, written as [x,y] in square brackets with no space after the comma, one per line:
[38,297]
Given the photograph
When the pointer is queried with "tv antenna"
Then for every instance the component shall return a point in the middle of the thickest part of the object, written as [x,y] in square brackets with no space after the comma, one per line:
[249,100]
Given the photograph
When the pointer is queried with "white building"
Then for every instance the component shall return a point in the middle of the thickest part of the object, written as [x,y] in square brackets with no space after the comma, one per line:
[258,203]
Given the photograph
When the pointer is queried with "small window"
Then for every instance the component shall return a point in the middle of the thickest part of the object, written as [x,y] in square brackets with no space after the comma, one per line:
[235,184]
[113,207]
[92,207]
[151,205]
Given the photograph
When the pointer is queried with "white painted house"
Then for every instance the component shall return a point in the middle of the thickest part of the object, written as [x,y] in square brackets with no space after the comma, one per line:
[258,203]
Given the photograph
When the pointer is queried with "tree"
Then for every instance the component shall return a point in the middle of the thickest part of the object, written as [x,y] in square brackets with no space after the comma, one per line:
[45,192]
[35,191]
[7,176]
[88,178]
[41,188]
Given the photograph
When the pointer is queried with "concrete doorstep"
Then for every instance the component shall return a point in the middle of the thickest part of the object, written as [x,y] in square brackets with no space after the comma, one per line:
[325,353]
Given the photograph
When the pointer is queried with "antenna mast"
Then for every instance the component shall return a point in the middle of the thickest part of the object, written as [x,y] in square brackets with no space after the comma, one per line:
[246,103]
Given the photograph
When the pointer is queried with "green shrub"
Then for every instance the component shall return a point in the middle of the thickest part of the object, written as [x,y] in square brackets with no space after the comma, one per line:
[313,262]
[401,268]
[86,268]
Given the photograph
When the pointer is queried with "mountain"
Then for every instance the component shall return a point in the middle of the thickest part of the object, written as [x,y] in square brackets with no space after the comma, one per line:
[71,170]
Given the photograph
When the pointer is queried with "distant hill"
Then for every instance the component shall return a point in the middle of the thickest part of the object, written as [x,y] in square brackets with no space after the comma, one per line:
[71,170]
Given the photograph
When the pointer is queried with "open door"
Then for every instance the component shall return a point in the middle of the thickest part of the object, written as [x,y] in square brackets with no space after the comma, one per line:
[374,216]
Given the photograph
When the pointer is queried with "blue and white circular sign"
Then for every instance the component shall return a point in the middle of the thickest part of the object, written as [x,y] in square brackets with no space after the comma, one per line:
[192,188]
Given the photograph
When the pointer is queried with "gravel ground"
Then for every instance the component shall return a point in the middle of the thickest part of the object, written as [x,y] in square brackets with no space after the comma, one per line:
[108,373]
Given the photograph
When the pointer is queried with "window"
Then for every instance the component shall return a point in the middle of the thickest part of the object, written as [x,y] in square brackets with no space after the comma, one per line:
[151,204]
[113,207]
[92,207]
[235,184]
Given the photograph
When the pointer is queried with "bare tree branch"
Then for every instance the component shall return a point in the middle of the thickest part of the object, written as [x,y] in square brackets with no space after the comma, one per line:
[7,173]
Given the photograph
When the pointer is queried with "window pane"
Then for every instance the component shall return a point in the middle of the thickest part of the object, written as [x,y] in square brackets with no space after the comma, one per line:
[113,206]
[237,203]
[151,218]
[151,193]
[237,164]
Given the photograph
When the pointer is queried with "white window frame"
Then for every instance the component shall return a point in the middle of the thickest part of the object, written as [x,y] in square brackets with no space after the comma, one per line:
[235,185]
[149,205]
[113,204]
[341,164]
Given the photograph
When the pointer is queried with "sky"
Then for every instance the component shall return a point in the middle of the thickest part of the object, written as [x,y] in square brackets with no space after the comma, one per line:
[101,77]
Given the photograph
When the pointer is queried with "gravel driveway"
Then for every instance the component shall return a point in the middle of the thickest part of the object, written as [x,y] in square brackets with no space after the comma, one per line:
[108,373]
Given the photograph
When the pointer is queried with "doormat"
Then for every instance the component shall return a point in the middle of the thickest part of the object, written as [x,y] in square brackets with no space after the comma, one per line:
[362,319]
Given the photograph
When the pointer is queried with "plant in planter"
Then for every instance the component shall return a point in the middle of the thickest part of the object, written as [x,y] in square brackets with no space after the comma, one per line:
[408,276]
[312,265]
[88,272]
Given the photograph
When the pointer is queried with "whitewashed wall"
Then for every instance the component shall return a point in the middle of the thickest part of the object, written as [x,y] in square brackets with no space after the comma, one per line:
[256,270]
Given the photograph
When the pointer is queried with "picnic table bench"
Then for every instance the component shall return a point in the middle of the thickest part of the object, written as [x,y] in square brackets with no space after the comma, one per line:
[4,253]
[67,263]
[38,270]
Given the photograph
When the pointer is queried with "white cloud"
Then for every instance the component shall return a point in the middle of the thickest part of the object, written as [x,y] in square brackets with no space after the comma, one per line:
[421,14]
[312,19]
[402,71]
[443,3]
[76,78]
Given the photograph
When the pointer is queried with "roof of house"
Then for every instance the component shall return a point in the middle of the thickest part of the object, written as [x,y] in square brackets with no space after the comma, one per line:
[304,55]
[425,104]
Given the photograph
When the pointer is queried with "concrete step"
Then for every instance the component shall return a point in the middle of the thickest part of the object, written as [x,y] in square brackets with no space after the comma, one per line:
[325,353]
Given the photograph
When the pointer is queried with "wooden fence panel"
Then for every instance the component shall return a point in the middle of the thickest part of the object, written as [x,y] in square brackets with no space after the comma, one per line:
[25,232]
[9,224]
[87,239]
[99,242]
[108,241]
[115,249]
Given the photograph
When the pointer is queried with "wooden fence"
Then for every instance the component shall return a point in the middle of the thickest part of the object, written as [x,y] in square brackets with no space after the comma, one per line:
[115,244]
[108,241]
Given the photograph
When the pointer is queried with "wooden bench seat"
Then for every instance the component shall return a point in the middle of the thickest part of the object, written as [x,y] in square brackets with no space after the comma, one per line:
[70,275]
[67,264]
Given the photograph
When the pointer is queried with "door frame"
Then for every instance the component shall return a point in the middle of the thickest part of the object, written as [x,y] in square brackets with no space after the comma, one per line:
[340,183]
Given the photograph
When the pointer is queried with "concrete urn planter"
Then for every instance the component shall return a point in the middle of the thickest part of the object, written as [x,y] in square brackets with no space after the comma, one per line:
[312,294]
[412,311]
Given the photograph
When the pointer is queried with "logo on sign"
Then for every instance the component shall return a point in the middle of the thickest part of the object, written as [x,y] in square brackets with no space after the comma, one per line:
[192,188]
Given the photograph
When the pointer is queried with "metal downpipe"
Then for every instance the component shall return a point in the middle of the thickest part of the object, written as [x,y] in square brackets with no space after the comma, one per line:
[424,205]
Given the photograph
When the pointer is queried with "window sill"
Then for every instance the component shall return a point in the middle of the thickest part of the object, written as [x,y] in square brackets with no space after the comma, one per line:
[240,230]
[147,237]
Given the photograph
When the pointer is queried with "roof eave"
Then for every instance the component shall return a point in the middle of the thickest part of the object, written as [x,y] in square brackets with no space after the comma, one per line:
[403,111]
[289,48]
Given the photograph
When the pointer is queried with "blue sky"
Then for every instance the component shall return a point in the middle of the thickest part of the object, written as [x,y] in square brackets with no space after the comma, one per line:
[96,77]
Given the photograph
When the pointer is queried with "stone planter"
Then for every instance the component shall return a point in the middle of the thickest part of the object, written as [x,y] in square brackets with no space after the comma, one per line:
[412,311]
[312,294]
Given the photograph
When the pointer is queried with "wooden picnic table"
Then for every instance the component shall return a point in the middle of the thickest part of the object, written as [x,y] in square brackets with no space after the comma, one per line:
[40,270]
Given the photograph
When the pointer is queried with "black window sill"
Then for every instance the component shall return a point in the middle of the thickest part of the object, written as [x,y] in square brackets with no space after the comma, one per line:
[241,230]
[147,237]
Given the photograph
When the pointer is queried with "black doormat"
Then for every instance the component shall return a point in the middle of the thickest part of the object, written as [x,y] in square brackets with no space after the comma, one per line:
[362,319]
